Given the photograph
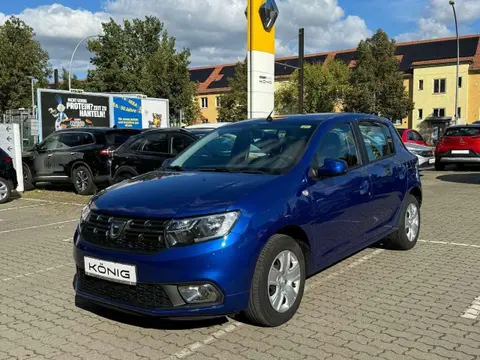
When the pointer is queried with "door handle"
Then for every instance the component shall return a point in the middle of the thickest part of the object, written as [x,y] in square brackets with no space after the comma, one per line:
[49,155]
[72,153]
[364,188]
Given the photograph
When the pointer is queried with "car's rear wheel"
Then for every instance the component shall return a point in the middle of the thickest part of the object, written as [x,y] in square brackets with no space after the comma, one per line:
[278,282]
[83,181]
[27,178]
[405,238]
[121,177]
[439,166]
[5,190]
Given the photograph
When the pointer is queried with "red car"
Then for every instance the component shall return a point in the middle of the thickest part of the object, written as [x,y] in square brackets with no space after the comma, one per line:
[412,136]
[459,145]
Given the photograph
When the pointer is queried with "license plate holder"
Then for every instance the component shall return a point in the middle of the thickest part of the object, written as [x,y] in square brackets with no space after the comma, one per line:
[460,152]
[431,161]
[111,271]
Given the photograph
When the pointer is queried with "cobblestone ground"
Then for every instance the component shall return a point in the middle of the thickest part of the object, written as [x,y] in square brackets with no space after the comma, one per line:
[378,304]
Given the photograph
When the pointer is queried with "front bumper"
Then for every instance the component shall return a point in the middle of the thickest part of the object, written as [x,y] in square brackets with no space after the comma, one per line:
[227,263]
[424,162]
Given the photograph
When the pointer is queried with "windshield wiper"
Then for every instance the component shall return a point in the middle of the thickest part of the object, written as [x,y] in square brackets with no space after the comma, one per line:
[176,168]
[245,171]
[215,170]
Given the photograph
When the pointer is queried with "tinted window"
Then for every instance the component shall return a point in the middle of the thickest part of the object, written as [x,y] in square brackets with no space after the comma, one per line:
[156,143]
[463,131]
[339,143]
[117,138]
[417,136]
[70,140]
[137,143]
[378,140]
[50,143]
[180,142]
[3,153]
[411,135]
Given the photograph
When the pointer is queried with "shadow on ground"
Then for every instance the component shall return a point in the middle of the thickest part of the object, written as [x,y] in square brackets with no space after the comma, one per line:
[461,178]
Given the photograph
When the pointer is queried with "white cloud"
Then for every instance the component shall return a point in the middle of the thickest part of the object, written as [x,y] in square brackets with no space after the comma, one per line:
[214,30]
[438,19]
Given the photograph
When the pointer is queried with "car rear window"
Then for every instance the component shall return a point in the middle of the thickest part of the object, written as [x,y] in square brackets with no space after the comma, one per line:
[117,138]
[463,131]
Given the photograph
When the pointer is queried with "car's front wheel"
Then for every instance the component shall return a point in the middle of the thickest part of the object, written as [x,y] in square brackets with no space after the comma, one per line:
[5,190]
[278,282]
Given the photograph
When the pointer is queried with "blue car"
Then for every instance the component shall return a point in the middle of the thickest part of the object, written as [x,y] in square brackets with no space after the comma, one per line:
[238,221]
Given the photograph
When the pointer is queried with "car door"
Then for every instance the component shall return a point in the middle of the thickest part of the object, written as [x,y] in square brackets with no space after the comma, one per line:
[69,150]
[179,142]
[387,174]
[43,166]
[341,205]
[154,152]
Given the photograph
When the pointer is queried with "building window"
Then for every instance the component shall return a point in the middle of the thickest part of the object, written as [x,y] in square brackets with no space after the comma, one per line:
[438,112]
[218,101]
[459,112]
[420,85]
[439,86]
[460,82]
[420,114]
[204,102]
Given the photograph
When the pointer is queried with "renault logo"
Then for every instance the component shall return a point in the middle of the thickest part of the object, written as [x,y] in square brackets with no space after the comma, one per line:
[269,13]
[116,228]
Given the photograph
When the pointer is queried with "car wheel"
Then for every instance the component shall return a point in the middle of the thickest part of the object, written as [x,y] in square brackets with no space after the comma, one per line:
[27,178]
[83,181]
[121,177]
[439,166]
[278,282]
[408,231]
[5,190]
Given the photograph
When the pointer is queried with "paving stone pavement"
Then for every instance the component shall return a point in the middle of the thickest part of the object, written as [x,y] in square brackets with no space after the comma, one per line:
[377,304]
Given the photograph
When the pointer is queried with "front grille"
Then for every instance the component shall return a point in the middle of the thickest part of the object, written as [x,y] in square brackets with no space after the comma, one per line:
[147,296]
[426,153]
[138,235]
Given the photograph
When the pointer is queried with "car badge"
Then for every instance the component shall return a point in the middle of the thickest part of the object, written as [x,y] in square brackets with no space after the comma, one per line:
[269,14]
[116,228]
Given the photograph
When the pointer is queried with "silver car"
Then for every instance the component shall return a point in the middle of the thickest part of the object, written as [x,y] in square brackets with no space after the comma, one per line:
[425,154]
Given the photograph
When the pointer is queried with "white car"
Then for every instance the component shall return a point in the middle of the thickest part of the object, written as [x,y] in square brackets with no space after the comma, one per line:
[200,130]
[425,154]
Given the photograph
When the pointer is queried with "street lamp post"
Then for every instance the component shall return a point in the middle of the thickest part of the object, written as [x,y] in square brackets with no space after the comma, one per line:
[71,60]
[32,78]
[458,59]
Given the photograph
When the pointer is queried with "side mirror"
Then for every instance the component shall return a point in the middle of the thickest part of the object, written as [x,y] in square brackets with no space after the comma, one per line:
[331,167]
[167,162]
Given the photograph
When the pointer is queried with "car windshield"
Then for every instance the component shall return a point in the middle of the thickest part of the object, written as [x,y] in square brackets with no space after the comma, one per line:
[463,131]
[271,148]
[199,133]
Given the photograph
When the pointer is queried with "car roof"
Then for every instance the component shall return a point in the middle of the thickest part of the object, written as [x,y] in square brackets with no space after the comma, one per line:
[96,129]
[207,125]
[161,130]
[464,126]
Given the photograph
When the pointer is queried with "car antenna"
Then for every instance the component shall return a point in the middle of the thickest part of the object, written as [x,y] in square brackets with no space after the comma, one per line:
[269,117]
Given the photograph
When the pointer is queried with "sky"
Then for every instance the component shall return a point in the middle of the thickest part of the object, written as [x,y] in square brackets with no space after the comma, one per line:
[215,30]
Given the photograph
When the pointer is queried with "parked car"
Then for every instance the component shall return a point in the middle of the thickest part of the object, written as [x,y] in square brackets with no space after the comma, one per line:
[219,232]
[425,154]
[412,137]
[79,156]
[8,177]
[147,152]
[201,130]
[459,145]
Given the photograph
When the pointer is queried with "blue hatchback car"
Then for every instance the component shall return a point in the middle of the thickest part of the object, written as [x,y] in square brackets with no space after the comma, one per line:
[239,220]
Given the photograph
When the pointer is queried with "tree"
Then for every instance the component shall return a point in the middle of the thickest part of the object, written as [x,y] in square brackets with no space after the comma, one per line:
[377,83]
[76,84]
[324,89]
[140,57]
[21,57]
[234,104]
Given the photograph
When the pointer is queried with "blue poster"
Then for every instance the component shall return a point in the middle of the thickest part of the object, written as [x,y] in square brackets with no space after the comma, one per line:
[127,112]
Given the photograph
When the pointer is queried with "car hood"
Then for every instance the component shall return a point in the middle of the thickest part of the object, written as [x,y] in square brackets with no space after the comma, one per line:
[178,194]
[417,147]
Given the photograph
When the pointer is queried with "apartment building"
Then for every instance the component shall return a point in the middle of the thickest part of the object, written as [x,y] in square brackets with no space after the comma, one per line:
[428,67]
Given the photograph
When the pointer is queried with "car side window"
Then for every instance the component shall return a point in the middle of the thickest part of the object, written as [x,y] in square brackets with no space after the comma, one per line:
[70,140]
[137,143]
[417,136]
[157,143]
[180,142]
[411,135]
[87,139]
[339,143]
[49,144]
[378,140]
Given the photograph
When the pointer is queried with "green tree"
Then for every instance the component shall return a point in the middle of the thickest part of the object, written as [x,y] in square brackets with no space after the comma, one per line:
[20,58]
[234,104]
[141,57]
[377,83]
[324,89]
[76,84]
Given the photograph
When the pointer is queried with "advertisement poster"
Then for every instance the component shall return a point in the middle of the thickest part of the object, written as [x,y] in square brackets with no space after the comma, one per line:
[65,110]
[155,113]
[127,112]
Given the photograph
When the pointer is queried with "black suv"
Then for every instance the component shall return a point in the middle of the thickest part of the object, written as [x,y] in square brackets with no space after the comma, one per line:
[8,177]
[146,152]
[81,156]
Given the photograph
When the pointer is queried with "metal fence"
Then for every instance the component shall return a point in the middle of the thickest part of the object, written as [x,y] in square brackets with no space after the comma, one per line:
[28,125]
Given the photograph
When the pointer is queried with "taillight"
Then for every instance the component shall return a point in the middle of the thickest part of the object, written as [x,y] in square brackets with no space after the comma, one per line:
[7,159]
[106,152]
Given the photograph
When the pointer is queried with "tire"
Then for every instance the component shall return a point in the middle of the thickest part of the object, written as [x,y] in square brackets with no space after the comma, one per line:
[82,180]
[5,191]
[260,310]
[439,166]
[124,175]
[27,178]
[404,238]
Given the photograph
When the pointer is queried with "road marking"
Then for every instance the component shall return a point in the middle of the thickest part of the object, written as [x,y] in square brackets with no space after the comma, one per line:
[35,272]
[69,239]
[449,243]
[231,327]
[473,311]
[21,207]
[38,226]
[55,202]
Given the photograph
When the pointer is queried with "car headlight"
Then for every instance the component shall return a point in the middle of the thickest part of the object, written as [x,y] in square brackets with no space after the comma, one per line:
[85,213]
[195,230]
[415,152]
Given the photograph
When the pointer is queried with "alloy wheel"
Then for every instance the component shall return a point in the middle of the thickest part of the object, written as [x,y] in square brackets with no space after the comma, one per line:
[82,180]
[3,190]
[412,222]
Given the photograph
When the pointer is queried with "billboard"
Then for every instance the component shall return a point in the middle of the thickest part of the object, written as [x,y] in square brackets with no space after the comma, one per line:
[63,110]
[127,112]
[155,113]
